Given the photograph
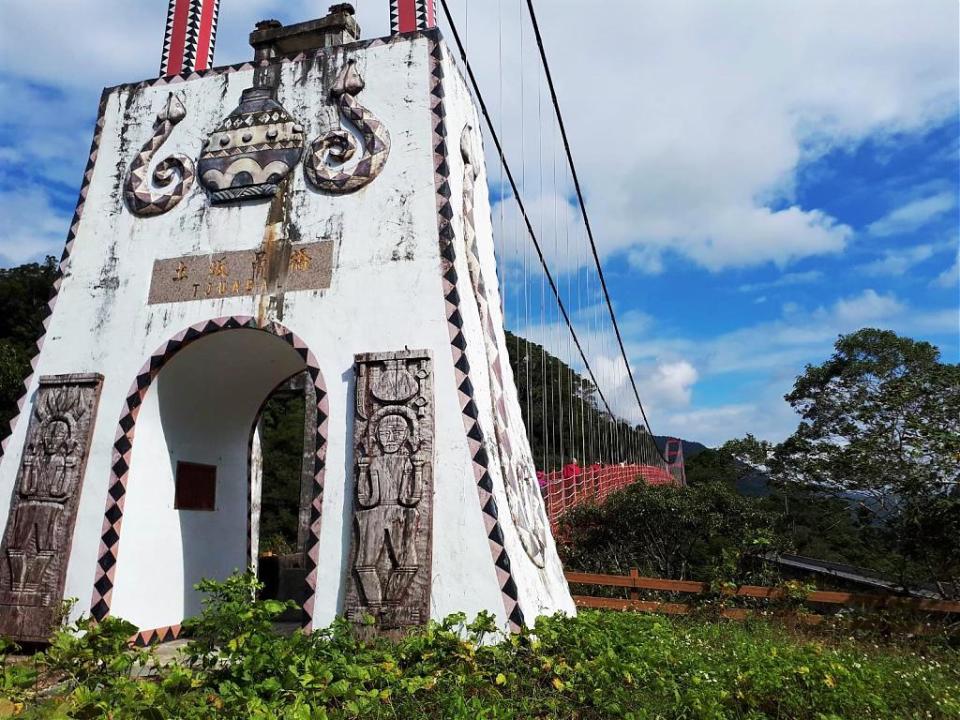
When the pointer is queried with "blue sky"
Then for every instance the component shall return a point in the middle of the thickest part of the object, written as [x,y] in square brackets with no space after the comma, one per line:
[761,176]
[898,270]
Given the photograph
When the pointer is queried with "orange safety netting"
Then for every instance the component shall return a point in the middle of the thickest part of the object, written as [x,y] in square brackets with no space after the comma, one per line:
[593,484]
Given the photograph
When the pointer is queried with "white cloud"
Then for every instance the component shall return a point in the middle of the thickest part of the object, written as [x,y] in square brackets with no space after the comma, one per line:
[646,260]
[867,307]
[772,354]
[714,426]
[31,228]
[671,383]
[767,416]
[689,121]
[803,335]
[664,385]
[785,280]
[914,214]
[949,277]
[670,369]
[559,228]
[897,262]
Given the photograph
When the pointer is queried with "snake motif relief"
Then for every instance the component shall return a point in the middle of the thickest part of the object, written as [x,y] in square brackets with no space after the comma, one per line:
[516,464]
[339,146]
[173,176]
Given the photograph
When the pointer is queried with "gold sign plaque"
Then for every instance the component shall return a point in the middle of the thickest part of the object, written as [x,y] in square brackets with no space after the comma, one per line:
[278,268]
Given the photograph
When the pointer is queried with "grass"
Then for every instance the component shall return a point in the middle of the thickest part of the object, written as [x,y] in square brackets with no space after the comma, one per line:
[598,665]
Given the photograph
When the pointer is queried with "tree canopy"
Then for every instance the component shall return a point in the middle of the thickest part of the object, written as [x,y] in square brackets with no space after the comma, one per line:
[564,414]
[24,293]
[880,428]
[881,416]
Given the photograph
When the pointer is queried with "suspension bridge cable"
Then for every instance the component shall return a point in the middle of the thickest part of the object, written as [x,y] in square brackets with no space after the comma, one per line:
[583,206]
[516,193]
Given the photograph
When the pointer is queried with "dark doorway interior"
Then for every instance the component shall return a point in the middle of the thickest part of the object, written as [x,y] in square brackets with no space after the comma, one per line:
[287,427]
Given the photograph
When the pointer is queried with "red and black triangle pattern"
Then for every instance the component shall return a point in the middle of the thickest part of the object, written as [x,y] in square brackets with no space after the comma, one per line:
[523,498]
[190,35]
[156,636]
[412,15]
[123,447]
[426,14]
[458,346]
[302,56]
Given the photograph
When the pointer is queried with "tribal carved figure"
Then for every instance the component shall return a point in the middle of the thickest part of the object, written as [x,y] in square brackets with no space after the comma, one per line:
[517,467]
[393,457]
[173,176]
[327,155]
[42,515]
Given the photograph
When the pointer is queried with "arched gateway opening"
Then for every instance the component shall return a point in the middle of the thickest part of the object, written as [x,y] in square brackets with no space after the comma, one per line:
[183,488]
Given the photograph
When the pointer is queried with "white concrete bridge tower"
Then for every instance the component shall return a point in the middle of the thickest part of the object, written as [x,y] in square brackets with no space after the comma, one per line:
[321,208]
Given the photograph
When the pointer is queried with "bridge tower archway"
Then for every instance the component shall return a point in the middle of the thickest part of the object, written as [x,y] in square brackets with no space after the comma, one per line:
[182,483]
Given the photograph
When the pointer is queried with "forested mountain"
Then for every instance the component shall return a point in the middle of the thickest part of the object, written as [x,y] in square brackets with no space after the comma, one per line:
[564,413]
[24,292]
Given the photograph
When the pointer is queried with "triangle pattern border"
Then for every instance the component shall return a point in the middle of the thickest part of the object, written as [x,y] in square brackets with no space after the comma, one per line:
[449,276]
[108,554]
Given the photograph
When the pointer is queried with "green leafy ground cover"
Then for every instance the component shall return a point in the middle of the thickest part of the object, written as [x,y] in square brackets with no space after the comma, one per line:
[598,665]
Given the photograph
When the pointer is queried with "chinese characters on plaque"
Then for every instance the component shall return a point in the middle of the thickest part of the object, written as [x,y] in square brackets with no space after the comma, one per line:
[304,266]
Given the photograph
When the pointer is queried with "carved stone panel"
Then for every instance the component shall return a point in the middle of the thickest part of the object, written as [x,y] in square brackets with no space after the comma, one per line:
[391,551]
[36,543]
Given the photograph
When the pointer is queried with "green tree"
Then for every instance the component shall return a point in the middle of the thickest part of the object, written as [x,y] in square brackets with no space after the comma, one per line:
[749,450]
[702,531]
[880,422]
[281,425]
[564,414]
[24,293]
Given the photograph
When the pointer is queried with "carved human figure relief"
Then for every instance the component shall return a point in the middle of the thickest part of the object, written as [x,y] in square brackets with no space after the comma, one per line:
[42,515]
[516,464]
[390,557]
[327,156]
[173,176]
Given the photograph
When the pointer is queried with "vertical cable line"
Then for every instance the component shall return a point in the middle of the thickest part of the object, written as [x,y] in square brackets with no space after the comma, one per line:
[516,192]
[583,209]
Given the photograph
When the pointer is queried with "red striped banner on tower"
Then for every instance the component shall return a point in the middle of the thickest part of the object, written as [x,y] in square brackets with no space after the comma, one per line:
[190,36]
[411,15]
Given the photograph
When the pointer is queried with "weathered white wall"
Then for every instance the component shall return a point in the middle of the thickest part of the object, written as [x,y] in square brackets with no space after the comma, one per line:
[200,409]
[385,295]
[541,590]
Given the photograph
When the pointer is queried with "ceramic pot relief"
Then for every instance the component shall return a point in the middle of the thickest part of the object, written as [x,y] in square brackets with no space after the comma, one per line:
[252,150]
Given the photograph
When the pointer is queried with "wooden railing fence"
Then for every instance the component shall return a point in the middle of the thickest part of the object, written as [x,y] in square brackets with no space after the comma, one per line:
[634,582]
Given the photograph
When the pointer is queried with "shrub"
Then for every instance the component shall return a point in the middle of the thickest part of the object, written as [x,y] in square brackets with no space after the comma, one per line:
[706,531]
[598,665]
